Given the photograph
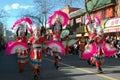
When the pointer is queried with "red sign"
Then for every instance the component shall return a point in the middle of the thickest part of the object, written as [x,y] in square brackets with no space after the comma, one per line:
[112,30]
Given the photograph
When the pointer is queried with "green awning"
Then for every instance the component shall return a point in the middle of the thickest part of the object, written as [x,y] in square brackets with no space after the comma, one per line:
[90,4]
[77,13]
[100,3]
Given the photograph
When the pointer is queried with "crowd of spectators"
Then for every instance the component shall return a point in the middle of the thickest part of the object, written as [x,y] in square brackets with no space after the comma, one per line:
[112,40]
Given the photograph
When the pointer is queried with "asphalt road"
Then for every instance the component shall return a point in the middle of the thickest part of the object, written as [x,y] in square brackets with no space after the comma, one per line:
[71,68]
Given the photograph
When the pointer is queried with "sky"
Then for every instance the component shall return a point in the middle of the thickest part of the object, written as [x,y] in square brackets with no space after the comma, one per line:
[15,7]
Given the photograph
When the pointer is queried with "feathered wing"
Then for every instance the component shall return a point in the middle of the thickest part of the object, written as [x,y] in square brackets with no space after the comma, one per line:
[90,50]
[109,50]
[56,46]
[58,14]
[12,47]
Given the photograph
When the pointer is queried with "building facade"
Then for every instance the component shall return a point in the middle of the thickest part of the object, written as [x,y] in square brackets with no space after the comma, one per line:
[68,10]
[117,8]
[105,9]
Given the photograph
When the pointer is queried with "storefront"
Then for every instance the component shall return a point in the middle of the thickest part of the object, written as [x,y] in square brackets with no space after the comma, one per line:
[82,30]
[112,26]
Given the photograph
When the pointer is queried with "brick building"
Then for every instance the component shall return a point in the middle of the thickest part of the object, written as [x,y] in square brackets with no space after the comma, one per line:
[105,9]
[67,9]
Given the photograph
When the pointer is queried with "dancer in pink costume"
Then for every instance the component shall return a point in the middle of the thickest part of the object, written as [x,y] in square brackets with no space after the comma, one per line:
[99,47]
[96,56]
[36,49]
[22,54]
[56,32]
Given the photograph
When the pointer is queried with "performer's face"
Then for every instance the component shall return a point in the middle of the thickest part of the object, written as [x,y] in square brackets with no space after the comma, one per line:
[22,33]
[37,32]
[57,31]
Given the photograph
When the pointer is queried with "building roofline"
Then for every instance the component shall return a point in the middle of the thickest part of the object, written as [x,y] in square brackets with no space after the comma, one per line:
[98,8]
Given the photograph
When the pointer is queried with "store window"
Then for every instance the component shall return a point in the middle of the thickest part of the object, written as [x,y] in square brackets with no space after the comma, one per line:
[109,12]
[92,16]
[99,14]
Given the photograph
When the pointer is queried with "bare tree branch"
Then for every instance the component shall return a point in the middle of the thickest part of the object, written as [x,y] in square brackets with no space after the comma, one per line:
[35,18]
[43,9]
[2,13]
[70,2]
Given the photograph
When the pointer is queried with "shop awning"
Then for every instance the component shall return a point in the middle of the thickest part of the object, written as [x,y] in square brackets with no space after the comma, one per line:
[112,29]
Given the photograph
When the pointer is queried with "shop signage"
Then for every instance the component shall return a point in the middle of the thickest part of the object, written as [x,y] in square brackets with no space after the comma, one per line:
[112,22]
[112,30]
[78,20]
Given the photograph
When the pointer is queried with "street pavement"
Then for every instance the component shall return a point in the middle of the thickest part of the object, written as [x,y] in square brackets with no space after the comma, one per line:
[71,68]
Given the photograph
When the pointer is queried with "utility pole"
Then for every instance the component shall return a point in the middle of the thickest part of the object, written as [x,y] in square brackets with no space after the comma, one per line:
[45,12]
[4,29]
